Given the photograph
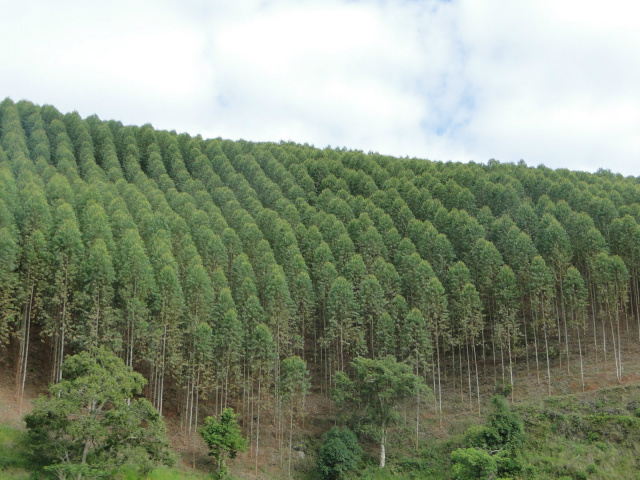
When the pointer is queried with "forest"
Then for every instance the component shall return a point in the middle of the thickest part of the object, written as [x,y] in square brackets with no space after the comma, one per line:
[224,272]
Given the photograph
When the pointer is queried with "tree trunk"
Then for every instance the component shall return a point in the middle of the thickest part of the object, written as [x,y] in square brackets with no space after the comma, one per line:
[510,363]
[258,419]
[535,344]
[475,361]
[546,345]
[290,442]
[439,386]
[24,350]
[593,317]
[581,365]
[469,375]
[526,339]
[164,355]
[383,451]
[417,409]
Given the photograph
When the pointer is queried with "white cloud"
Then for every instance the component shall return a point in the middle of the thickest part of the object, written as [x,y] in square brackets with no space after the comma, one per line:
[550,82]
[117,59]
[554,82]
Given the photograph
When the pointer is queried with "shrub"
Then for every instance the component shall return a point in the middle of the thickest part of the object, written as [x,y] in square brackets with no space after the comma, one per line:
[339,453]
[473,464]
[507,424]
[480,436]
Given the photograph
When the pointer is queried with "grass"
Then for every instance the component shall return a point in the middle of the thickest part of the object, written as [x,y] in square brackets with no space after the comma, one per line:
[591,436]
[166,473]
[14,462]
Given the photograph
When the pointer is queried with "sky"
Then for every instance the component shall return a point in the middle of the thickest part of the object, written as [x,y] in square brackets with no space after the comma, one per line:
[553,82]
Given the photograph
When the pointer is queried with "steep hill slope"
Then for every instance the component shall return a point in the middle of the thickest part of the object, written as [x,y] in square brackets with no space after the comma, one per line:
[206,263]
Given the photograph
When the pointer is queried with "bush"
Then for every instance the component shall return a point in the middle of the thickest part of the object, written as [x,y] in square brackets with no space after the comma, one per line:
[339,453]
[472,464]
[507,424]
[480,436]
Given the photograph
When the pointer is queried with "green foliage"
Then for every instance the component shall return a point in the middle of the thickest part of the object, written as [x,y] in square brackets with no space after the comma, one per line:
[173,251]
[501,440]
[473,464]
[14,457]
[223,437]
[339,454]
[507,424]
[375,389]
[373,393]
[91,423]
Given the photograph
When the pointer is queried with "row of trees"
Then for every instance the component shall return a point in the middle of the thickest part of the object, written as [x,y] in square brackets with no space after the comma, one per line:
[212,266]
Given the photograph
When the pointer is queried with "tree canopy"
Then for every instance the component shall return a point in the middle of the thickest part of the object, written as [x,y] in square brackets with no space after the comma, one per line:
[92,423]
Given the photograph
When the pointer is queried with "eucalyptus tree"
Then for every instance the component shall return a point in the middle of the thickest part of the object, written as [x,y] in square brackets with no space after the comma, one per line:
[406,255]
[261,262]
[324,275]
[371,306]
[240,270]
[227,331]
[250,315]
[13,139]
[33,218]
[417,273]
[436,316]
[518,253]
[416,349]
[387,277]
[309,243]
[485,263]
[458,277]
[612,286]
[303,299]
[34,128]
[9,254]
[526,219]
[553,244]
[294,387]
[67,250]
[135,285]
[97,295]
[603,211]
[372,246]
[506,330]
[470,311]
[355,272]
[625,233]
[343,251]
[197,331]
[278,313]
[265,351]
[575,292]
[104,148]
[341,332]
[462,230]
[541,290]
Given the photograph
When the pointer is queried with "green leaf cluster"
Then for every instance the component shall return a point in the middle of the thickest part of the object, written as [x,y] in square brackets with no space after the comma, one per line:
[339,454]
[223,437]
[91,423]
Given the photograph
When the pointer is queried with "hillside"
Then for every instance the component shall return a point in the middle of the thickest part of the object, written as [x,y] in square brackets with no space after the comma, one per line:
[205,263]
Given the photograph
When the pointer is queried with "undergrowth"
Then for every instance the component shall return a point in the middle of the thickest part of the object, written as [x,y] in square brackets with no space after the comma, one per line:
[592,436]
